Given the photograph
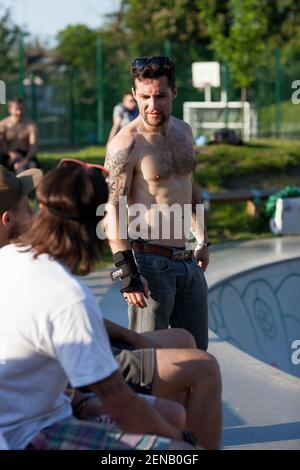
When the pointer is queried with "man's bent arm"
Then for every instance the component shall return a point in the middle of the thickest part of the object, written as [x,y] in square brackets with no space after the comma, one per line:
[129,411]
[33,142]
[120,164]
[3,143]
[198,221]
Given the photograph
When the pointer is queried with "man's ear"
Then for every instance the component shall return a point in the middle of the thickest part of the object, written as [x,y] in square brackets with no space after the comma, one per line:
[6,218]
[133,93]
[174,93]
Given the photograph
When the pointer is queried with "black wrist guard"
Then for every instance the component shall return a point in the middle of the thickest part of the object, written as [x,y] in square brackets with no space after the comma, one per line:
[189,437]
[127,272]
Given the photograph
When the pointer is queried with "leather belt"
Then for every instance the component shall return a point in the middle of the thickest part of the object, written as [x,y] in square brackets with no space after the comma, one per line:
[172,253]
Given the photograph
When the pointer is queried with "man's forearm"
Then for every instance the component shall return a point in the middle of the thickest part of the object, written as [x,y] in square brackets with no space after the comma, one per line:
[198,226]
[117,236]
[129,411]
[31,152]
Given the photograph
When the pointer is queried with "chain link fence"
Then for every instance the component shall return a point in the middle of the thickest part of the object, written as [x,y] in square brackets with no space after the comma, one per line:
[71,112]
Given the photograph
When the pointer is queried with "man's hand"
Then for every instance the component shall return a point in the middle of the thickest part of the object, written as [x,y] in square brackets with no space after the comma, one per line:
[138,298]
[202,257]
[14,156]
[21,165]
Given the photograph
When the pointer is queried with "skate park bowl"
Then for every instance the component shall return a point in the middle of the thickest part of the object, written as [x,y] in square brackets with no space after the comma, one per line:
[254,318]
[258,311]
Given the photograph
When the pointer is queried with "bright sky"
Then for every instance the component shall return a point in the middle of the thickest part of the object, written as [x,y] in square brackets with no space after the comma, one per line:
[47,17]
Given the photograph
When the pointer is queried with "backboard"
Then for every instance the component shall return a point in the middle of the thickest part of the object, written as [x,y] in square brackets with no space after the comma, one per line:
[206,74]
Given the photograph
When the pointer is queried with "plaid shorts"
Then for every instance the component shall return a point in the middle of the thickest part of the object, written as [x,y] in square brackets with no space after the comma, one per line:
[72,434]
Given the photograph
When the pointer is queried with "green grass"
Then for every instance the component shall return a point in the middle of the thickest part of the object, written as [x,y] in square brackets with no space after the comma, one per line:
[259,164]
[91,154]
[230,222]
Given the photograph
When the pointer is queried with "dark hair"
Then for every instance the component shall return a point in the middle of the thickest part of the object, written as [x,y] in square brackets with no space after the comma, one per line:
[15,100]
[155,67]
[65,226]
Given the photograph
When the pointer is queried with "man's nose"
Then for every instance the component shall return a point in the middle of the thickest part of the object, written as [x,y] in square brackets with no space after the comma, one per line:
[153,103]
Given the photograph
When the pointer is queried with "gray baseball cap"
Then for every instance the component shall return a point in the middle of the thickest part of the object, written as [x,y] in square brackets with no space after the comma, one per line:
[13,188]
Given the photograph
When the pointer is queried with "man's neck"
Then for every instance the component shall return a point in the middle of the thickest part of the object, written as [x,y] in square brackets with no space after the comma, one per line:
[163,129]
[16,120]
[3,242]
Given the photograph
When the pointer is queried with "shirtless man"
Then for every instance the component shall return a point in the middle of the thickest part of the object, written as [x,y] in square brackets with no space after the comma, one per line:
[18,139]
[151,161]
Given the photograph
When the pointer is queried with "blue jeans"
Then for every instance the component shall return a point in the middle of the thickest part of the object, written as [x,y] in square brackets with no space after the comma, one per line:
[178,297]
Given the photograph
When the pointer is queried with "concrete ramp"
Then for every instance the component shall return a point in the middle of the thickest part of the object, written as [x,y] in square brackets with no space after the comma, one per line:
[254,317]
[258,311]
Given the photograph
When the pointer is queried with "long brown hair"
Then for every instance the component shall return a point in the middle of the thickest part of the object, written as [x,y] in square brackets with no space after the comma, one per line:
[65,225]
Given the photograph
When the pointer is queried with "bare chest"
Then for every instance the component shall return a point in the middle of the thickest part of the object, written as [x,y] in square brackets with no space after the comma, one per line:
[164,158]
[18,132]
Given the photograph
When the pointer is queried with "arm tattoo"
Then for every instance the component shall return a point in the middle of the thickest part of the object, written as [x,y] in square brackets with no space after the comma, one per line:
[118,164]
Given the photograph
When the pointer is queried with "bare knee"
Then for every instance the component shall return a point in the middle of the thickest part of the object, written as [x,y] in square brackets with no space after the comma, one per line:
[209,369]
[203,367]
[186,338]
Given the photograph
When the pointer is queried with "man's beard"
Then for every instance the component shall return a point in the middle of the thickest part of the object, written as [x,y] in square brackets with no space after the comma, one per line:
[159,122]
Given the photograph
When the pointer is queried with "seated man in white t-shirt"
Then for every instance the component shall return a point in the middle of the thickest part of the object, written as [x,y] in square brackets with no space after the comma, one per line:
[52,332]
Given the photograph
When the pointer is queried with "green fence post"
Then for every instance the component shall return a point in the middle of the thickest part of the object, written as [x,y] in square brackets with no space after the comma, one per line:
[21,65]
[167,48]
[100,91]
[71,107]
[277,94]
[33,99]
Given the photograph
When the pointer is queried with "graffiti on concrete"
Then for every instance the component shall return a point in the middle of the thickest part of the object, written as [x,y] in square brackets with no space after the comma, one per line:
[258,311]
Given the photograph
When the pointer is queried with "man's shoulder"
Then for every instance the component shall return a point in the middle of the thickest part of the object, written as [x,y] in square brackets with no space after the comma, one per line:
[124,139]
[4,122]
[180,124]
[182,127]
[29,122]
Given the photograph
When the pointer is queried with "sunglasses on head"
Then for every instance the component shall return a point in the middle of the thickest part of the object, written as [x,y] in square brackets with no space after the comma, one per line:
[142,62]
[73,161]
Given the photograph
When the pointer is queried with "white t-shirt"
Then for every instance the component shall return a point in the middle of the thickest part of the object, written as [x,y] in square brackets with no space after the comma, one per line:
[51,333]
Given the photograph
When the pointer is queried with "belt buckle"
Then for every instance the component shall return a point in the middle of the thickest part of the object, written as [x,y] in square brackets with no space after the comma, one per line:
[180,255]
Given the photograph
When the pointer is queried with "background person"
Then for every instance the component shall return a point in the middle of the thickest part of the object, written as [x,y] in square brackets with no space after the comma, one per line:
[18,139]
[123,114]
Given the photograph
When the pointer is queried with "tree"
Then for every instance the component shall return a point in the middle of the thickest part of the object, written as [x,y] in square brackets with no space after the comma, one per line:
[8,41]
[150,23]
[236,35]
[77,48]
